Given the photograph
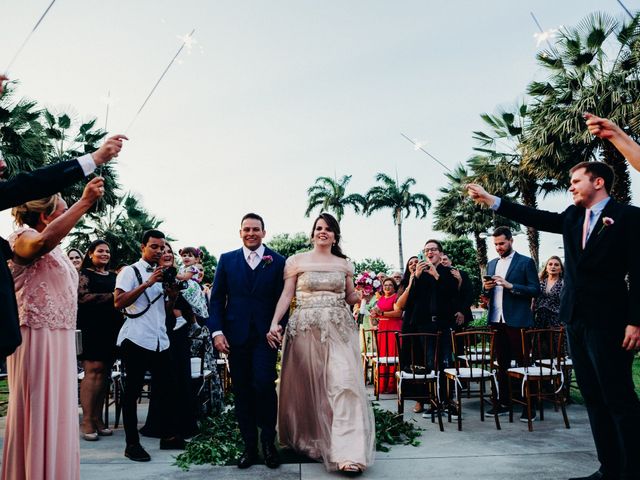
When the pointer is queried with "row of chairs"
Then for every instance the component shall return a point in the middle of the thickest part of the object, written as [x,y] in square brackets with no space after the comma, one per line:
[414,366]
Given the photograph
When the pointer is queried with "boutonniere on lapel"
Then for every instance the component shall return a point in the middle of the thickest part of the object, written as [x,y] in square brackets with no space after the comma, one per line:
[267,260]
[606,222]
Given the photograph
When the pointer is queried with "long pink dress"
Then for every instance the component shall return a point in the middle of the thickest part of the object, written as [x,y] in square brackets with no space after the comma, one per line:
[324,410]
[42,435]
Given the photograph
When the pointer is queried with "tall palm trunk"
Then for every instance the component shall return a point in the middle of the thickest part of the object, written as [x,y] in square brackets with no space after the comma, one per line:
[621,190]
[481,251]
[399,224]
[529,189]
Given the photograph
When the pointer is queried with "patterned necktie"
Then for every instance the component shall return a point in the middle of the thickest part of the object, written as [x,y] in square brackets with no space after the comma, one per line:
[585,227]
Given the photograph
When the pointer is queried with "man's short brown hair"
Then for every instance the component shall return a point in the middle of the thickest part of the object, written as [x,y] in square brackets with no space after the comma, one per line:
[595,170]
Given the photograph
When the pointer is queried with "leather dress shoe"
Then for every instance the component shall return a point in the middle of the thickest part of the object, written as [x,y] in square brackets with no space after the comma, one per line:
[248,458]
[136,453]
[271,456]
[597,475]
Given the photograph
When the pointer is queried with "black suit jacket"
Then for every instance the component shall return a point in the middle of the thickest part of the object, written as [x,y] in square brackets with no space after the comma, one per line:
[20,189]
[595,280]
[447,298]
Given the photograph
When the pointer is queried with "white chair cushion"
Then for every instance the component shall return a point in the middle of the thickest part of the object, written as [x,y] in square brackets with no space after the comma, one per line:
[386,360]
[410,376]
[468,372]
[535,371]
[475,357]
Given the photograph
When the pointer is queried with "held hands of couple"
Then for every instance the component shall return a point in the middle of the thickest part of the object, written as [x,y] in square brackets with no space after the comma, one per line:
[274,336]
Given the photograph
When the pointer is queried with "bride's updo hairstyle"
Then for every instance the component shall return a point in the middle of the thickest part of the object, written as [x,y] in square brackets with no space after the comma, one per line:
[29,213]
[334,226]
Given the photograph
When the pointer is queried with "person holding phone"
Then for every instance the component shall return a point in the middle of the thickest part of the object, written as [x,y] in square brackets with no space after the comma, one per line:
[512,282]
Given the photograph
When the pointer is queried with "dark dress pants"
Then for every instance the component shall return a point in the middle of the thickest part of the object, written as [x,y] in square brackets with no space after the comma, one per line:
[253,375]
[603,372]
[507,346]
[137,361]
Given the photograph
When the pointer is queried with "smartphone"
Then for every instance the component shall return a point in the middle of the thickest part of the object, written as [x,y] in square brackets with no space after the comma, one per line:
[487,278]
[421,257]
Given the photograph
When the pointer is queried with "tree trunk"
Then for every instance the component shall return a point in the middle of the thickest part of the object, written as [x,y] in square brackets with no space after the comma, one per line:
[529,199]
[399,224]
[621,191]
[481,252]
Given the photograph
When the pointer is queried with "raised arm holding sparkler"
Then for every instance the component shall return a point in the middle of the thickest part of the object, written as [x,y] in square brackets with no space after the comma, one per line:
[607,130]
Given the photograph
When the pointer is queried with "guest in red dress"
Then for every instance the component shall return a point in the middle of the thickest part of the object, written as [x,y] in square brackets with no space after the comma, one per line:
[389,320]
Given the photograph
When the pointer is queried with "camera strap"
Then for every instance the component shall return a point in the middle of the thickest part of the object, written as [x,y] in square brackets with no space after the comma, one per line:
[151,302]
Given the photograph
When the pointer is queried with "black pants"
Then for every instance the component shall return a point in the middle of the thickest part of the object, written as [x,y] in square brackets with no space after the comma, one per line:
[507,346]
[137,361]
[603,371]
[253,375]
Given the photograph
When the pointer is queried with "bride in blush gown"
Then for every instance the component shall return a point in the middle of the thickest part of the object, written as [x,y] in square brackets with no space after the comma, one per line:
[324,411]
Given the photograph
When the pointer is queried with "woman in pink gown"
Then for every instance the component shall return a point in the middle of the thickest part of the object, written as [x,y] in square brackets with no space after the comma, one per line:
[41,439]
[324,410]
[389,320]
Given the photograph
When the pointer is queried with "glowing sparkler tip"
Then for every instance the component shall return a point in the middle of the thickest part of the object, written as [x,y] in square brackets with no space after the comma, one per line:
[545,36]
[417,144]
[188,40]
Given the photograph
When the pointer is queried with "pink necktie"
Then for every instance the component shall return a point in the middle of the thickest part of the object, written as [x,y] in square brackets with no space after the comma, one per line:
[252,260]
[585,227]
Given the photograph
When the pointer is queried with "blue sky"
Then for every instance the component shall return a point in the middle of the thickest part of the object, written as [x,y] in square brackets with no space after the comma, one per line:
[275,94]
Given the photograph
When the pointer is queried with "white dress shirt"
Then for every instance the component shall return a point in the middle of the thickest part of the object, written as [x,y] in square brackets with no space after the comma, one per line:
[87,164]
[502,267]
[149,330]
[259,252]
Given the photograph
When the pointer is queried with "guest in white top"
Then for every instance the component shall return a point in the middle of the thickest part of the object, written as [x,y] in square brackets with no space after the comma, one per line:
[144,344]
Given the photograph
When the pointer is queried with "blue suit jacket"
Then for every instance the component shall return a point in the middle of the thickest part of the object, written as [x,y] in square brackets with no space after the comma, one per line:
[237,307]
[516,303]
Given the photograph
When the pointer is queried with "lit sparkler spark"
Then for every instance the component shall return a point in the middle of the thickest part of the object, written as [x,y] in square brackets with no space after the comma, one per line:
[545,36]
[417,144]
[188,41]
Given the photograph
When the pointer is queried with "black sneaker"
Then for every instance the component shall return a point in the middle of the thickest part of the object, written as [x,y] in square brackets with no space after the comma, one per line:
[501,411]
[524,418]
[136,453]
[173,443]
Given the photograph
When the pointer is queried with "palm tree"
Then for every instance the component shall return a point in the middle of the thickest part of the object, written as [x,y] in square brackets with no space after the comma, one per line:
[330,194]
[399,199]
[593,67]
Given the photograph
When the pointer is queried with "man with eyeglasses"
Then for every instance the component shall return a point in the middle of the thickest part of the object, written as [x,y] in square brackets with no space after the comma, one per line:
[434,300]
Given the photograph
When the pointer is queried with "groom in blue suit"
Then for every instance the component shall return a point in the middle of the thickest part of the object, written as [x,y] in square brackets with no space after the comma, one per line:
[244,295]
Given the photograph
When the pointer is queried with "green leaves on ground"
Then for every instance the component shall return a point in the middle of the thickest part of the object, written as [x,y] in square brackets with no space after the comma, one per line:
[391,429]
[218,443]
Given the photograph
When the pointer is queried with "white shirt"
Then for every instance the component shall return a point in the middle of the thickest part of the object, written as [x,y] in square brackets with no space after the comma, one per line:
[149,330]
[87,164]
[247,252]
[502,267]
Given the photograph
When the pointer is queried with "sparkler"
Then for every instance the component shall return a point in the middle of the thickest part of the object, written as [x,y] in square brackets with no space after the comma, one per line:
[187,41]
[418,146]
[624,7]
[26,40]
[544,35]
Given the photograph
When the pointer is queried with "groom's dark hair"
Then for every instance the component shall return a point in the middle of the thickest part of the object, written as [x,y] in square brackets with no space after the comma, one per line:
[253,216]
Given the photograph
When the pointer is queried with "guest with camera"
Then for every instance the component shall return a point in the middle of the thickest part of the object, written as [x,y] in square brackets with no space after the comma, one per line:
[144,343]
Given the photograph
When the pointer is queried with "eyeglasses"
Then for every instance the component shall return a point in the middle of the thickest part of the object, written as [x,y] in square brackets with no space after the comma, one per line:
[431,249]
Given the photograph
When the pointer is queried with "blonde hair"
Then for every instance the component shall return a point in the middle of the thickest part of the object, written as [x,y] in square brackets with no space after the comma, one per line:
[29,213]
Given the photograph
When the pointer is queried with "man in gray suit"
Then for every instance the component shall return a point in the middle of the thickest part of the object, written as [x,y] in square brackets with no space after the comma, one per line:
[512,282]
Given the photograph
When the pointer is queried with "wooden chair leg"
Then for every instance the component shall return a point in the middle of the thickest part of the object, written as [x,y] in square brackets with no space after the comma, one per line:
[527,394]
[510,400]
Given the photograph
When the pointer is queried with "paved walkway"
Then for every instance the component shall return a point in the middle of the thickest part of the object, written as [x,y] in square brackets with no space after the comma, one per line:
[478,452]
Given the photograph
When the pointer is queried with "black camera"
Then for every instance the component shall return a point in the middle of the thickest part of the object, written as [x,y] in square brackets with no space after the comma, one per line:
[169,278]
